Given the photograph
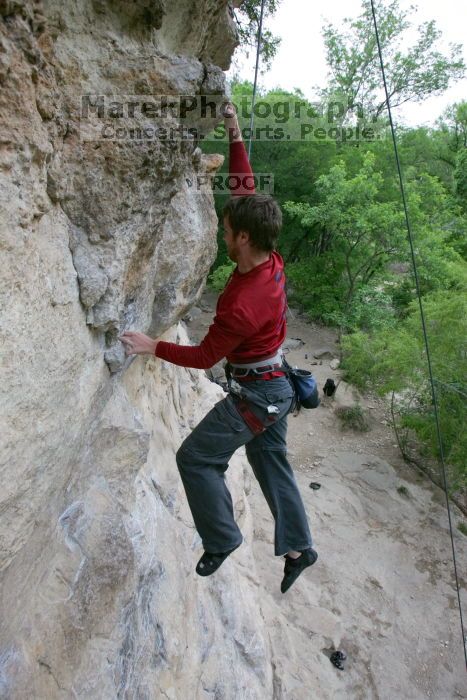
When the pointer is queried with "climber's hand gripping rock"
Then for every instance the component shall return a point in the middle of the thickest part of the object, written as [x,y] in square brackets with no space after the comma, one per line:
[231,122]
[137,343]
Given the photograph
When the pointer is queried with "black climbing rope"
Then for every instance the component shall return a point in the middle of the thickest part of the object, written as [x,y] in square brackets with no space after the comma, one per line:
[425,335]
[258,48]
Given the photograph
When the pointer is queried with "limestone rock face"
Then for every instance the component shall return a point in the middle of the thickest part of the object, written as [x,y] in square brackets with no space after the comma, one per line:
[102,598]
[97,547]
[126,205]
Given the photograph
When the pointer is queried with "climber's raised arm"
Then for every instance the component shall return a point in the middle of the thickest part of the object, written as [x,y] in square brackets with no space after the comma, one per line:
[232,127]
[242,181]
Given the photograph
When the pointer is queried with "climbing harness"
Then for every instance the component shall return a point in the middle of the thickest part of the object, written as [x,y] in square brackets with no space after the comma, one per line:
[302,380]
[425,334]
[270,364]
[243,406]
[253,422]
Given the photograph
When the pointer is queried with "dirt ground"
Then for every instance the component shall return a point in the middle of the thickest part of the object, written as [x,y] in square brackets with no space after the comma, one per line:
[383,589]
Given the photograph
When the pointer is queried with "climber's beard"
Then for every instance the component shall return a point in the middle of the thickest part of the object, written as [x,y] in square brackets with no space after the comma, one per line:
[230,241]
[233,255]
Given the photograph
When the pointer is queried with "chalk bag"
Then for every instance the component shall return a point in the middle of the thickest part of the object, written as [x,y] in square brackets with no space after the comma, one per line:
[306,387]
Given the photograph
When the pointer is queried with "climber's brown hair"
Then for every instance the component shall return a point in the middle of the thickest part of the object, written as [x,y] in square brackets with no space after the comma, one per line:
[256,214]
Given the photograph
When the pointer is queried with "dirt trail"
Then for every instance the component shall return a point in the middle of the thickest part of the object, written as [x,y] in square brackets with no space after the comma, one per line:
[383,588]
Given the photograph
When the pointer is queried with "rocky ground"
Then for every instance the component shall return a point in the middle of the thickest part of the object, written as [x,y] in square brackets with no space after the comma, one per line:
[383,589]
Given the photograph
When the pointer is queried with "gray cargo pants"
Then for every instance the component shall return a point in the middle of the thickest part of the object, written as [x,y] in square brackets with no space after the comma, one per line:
[203,460]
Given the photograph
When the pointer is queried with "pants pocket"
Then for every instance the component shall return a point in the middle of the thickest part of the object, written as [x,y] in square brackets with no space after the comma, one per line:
[232,416]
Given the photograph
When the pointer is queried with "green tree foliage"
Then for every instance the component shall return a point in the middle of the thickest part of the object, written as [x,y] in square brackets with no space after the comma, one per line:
[220,276]
[412,73]
[344,237]
[247,17]
[427,151]
[460,176]
[357,248]
[453,125]
[436,224]
[351,224]
[352,233]
[394,360]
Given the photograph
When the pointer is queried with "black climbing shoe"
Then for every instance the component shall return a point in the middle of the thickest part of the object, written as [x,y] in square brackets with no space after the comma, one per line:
[337,658]
[330,387]
[209,563]
[294,567]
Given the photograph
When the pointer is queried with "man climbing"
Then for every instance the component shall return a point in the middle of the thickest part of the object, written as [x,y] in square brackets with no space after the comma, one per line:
[248,329]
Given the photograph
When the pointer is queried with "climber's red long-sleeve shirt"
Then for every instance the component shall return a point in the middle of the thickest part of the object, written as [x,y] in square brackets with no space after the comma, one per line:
[250,320]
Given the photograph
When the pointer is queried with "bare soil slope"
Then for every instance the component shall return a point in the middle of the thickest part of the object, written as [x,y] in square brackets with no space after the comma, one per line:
[383,588]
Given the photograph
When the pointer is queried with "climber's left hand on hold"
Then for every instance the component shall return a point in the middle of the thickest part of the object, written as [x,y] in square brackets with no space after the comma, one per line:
[137,343]
[228,110]
[231,122]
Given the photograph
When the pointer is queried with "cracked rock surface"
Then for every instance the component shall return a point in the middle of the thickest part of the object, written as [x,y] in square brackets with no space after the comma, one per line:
[141,240]
[99,597]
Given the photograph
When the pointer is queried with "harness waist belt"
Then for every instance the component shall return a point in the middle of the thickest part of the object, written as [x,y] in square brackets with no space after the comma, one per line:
[275,360]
